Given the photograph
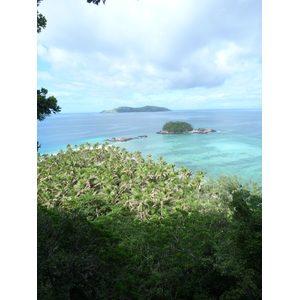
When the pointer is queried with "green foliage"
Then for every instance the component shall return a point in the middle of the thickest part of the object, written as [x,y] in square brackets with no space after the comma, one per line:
[114,226]
[46,105]
[75,258]
[177,127]
[96,1]
[41,20]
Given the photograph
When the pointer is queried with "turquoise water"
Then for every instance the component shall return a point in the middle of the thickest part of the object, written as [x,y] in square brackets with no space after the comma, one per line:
[235,149]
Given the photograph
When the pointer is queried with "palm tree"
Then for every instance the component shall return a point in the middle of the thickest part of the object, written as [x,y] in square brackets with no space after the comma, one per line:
[88,145]
[69,147]
[138,156]
[184,172]
[198,180]
[160,160]
[96,145]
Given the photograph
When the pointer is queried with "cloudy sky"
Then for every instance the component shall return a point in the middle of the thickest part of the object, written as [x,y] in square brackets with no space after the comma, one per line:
[180,54]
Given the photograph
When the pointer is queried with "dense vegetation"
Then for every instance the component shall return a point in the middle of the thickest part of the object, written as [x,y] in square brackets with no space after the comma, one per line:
[124,109]
[112,225]
[177,127]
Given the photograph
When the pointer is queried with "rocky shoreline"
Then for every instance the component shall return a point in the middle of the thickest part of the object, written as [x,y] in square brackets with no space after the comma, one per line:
[198,130]
[125,139]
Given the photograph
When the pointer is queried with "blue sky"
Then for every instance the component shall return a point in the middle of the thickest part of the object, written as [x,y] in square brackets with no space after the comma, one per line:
[177,54]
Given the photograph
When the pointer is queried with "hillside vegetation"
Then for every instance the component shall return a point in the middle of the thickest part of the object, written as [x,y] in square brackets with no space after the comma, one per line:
[124,109]
[177,127]
[113,225]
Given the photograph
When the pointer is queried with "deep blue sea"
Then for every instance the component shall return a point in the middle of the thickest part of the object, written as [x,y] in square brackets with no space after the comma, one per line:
[235,149]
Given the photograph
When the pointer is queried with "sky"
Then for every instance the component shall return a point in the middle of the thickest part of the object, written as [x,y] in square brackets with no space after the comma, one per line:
[175,53]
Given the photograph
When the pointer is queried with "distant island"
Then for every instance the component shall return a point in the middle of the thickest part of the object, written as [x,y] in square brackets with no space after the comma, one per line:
[125,109]
[182,127]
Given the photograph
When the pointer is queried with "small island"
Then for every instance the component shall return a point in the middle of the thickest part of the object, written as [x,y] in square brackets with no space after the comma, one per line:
[182,127]
[126,109]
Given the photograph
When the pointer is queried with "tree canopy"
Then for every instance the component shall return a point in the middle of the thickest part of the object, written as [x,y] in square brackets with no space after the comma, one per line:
[112,225]
[96,1]
[177,127]
[46,105]
[41,20]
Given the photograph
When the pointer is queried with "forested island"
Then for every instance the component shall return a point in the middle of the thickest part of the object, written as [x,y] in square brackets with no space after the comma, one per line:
[182,127]
[114,225]
[125,109]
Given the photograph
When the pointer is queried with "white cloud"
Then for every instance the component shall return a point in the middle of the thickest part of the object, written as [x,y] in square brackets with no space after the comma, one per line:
[150,47]
[45,76]
[42,52]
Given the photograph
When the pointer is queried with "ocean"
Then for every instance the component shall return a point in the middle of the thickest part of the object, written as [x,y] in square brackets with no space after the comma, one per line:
[234,149]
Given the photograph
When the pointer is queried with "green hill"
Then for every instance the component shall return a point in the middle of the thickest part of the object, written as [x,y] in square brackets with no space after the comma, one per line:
[125,109]
[182,127]
[177,127]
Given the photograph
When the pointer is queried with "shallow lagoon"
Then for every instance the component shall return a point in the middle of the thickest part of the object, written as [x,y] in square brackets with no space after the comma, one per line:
[236,147]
